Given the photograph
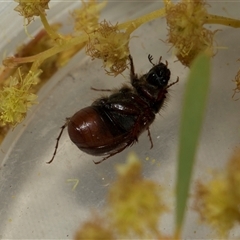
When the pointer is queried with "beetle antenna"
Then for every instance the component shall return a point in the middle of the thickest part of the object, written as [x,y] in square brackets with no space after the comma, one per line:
[58,138]
[150,58]
[173,83]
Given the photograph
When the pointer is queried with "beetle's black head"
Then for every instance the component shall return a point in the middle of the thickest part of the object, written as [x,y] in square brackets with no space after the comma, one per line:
[158,76]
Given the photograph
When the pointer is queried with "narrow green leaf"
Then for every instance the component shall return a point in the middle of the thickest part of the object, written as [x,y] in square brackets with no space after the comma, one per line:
[194,104]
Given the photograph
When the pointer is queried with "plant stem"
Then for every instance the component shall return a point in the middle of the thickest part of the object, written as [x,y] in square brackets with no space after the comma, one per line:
[134,24]
[56,49]
[40,57]
[215,19]
[48,28]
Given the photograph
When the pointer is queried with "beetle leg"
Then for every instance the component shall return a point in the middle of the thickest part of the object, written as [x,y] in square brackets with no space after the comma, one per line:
[150,138]
[103,90]
[58,138]
[133,75]
[132,71]
[173,83]
[114,153]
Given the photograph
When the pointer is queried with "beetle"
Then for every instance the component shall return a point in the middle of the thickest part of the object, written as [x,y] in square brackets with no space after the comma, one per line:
[113,123]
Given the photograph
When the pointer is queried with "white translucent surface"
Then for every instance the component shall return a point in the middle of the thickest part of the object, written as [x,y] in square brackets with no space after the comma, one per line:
[36,201]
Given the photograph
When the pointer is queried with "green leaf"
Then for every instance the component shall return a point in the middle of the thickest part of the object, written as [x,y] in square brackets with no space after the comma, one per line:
[194,104]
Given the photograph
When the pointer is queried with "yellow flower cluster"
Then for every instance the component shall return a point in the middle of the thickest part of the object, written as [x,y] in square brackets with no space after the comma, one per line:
[94,229]
[110,44]
[218,200]
[16,98]
[186,32]
[86,18]
[134,207]
[30,8]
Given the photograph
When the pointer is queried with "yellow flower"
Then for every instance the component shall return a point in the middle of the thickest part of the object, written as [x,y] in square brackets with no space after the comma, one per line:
[135,203]
[16,98]
[94,229]
[134,206]
[218,200]
[31,8]
[233,174]
[217,205]
[108,43]
[86,17]
[186,32]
